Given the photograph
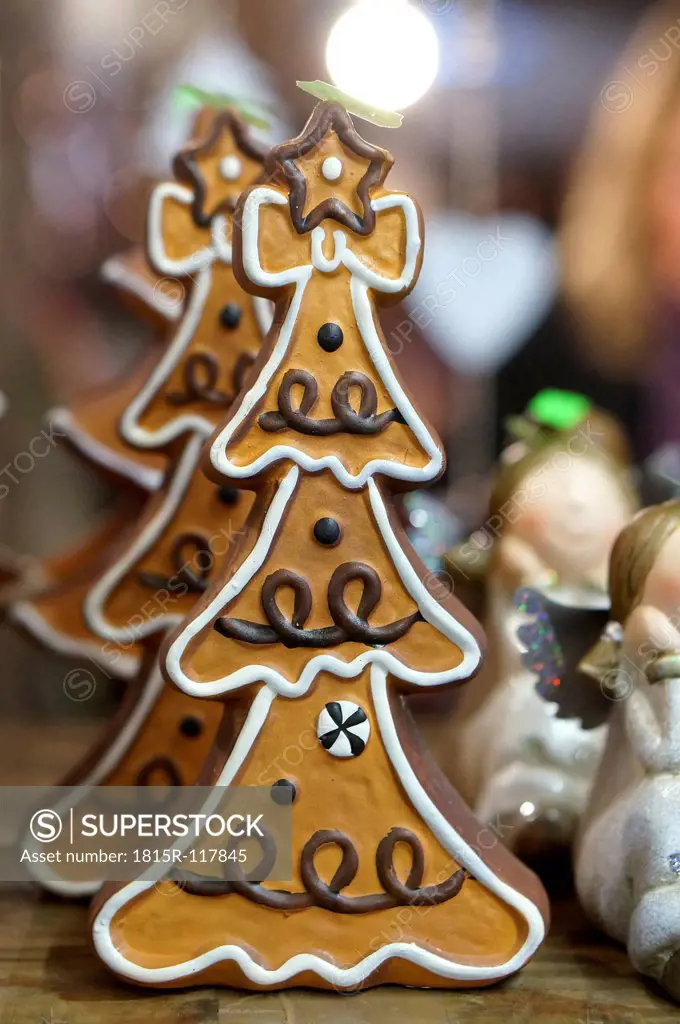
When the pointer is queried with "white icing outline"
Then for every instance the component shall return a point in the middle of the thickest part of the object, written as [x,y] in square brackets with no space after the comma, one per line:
[221,245]
[429,608]
[115,272]
[198,267]
[111,758]
[98,595]
[63,421]
[185,266]
[25,614]
[129,422]
[264,313]
[362,279]
[301,963]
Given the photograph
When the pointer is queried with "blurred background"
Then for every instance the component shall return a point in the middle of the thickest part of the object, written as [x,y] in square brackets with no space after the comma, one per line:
[545,154]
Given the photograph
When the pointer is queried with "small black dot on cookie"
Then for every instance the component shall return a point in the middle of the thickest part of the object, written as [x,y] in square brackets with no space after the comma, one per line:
[327,531]
[283,792]
[190,727]
[230,315]
[330,337]
[228,495]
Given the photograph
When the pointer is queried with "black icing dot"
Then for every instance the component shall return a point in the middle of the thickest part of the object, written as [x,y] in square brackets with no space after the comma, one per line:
[283,792]
[327,531]
[190,727]
[230,315]
[330,337]
[228,495]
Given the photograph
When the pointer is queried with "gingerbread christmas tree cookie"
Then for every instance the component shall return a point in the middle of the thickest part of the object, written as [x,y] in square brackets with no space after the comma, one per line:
[187,386]
[319,627]
[218,334]
[189,238]
[184,534]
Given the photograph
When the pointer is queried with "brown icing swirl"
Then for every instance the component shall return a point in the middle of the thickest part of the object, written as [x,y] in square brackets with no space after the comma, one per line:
[346,419]
[355,624]
[159,765]
[348,625]
[329,895]
[195,580]
[201,372]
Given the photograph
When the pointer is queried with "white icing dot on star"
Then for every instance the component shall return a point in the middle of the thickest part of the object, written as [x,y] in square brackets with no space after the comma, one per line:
[230,168]
[331,168]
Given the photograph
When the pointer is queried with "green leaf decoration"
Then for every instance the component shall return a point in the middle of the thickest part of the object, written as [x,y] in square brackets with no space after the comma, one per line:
[325,91]
[192,96]
[559,410]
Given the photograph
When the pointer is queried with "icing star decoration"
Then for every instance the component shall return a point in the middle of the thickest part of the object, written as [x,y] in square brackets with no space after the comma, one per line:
[330,171]
[219,166]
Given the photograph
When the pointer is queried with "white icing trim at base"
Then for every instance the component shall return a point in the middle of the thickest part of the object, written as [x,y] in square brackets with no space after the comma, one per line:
[431,610]
[98,595]
[44,873]
[339,977]
[62,421]
[444,831]
[25,614]
[115,272]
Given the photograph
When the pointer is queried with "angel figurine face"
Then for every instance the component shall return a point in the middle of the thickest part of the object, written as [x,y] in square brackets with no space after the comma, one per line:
[564,496]
[581,505]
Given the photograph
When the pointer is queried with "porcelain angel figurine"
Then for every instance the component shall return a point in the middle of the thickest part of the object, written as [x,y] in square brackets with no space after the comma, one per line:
[561,495]
[628,848]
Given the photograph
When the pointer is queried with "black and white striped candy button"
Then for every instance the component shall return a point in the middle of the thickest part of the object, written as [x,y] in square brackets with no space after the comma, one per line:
[343,728]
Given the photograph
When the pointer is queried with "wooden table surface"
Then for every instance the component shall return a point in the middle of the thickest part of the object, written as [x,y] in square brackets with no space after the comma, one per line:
[49,974]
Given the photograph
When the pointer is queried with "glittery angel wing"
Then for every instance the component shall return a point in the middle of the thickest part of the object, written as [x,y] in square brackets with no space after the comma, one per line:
[555,630]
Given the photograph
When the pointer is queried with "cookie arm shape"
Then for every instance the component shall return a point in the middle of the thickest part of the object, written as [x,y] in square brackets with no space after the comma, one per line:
[407,273]
[250,218]
[171,234]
